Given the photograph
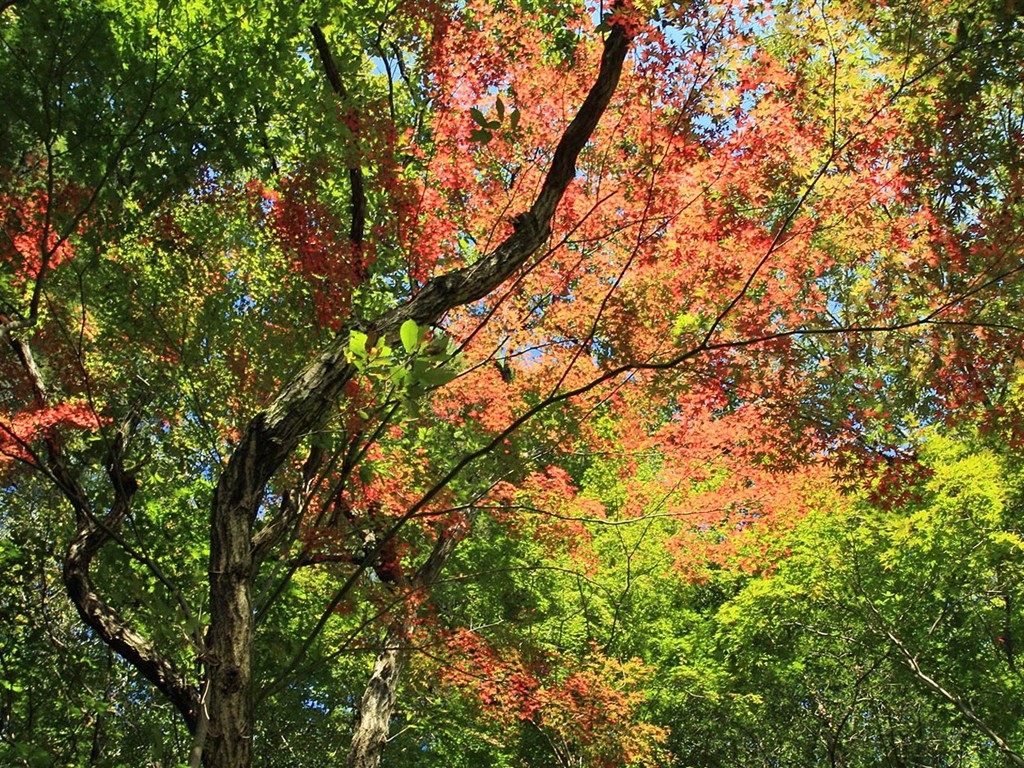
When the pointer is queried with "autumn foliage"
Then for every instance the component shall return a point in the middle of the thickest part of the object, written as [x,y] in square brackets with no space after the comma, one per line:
[490,359]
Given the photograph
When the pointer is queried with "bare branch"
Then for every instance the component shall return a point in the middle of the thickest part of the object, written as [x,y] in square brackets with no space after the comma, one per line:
[961,704]
[355,173]
[308,399]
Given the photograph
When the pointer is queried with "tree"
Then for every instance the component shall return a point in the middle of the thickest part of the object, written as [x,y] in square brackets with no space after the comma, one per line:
[294,300]
[886,637]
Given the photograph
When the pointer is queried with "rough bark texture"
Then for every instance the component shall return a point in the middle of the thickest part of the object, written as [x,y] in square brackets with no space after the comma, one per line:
[230,637]
[97,614]
[371,732]
[274,434]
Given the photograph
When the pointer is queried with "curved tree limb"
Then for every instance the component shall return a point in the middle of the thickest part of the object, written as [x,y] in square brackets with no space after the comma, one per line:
[374,722]
[136,649]
[307,402]
[355,173]
[93,533]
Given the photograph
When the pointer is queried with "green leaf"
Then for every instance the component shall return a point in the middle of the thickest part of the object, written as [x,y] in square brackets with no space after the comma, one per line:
[513,119]
[357,343]
[410,333]
[478,116]
[686,322]
[480,135]
[437,377]
[499,105]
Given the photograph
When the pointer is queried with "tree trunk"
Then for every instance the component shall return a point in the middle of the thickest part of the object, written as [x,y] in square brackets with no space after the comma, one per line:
[229,641]
[371,732]
[304,404]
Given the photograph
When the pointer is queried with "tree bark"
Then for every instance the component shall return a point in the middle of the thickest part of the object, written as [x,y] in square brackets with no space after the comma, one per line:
[230,636]
[371,732]
[307,402]
[370,736]
[93,532]
[129,644]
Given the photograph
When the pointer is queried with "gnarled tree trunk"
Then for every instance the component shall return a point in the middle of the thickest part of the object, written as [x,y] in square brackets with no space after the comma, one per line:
[304,404]
[371,731]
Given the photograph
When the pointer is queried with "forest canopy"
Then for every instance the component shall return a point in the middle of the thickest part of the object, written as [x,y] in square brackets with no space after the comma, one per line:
[511,383]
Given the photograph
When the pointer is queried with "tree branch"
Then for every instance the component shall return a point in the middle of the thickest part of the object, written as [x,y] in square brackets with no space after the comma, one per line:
[961,705]
[308,399]
[355,173]
[93,534]
[307,402]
